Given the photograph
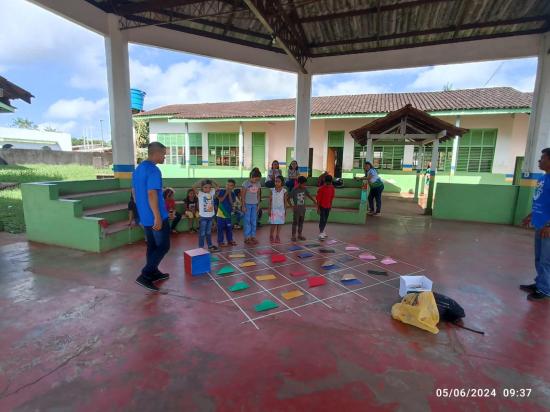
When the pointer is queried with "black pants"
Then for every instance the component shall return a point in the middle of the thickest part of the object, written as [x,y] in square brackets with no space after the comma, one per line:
[323,218]
[177,218]
[298,221]
[375,193]
[158,244]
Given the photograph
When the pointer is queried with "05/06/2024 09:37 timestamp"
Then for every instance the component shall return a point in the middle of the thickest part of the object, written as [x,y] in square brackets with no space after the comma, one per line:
[482,393]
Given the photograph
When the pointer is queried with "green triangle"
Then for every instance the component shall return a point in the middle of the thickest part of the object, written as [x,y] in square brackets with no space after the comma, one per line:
[266,305]
[239,286]
[226,270]
[214,259]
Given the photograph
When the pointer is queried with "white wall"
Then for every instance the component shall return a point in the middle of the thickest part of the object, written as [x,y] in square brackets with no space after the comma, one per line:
[511,136]
[35,139]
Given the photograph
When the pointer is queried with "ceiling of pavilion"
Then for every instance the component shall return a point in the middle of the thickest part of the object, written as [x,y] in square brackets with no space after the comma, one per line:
[315,28]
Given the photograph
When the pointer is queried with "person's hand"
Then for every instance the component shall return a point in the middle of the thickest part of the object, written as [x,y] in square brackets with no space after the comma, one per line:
[545,232]
[243,208]
[157,224]
[527,221]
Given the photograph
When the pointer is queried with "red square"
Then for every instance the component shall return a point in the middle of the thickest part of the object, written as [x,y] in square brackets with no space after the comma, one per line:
[297,273]
[316,281]
[278,258]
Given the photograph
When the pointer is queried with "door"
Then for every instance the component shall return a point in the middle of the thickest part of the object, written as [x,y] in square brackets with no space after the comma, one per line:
[331,160]
[338,162]
[289,156]
[258,150]
[517,170]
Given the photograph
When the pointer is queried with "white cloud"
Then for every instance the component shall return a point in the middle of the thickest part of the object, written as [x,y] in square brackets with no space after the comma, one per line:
[195,81]
[79,108]
[67,127]
[358,84]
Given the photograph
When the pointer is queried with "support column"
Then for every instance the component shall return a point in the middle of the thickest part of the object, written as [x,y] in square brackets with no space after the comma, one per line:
[408,156]
[118,77]
[302,125]
[456,142]
[433,170]
[187,148]
[370,150]
[538,136]
[419,161]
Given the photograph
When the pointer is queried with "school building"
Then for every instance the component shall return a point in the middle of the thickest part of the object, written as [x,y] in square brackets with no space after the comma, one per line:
[225,136]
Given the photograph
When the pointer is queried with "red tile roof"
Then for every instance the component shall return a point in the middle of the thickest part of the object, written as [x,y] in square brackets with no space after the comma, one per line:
[468,99]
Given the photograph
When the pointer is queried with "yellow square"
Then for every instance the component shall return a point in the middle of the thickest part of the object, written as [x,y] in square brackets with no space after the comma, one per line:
[292,294]
[266,277]
[237,256]
[247,264]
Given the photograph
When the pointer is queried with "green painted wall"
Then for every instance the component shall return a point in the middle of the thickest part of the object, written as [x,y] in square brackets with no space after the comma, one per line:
[524,204]
[476,203]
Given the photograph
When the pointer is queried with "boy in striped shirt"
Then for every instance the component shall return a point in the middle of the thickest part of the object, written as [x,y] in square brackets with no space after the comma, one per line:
[226,199]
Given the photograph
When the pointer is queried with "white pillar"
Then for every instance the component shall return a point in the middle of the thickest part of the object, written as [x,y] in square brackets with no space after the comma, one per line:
[118,77]
[435,156]
[241,146]
[370,150]
[538,136]
[301,129]
[456,141]
[408,156]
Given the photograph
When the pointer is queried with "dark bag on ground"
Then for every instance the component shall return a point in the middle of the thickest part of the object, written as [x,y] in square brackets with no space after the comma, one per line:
[451,311]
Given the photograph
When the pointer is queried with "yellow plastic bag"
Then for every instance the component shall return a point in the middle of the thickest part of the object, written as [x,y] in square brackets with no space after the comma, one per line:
[418,309]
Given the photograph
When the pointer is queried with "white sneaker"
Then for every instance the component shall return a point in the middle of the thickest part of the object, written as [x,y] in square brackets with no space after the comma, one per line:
[322,236]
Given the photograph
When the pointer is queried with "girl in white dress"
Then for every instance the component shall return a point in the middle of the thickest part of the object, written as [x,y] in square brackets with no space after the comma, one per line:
[278,201]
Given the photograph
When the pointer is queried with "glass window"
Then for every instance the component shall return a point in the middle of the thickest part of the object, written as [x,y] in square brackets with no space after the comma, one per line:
[359,156]
[175,147]
[388,157]
[223,149]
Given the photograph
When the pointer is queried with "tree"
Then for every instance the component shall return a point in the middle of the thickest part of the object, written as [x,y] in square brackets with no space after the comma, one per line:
[142,133]
[50,129]
[447,87]
[22,123]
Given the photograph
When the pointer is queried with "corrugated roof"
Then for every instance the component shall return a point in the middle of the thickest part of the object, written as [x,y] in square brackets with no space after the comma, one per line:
[455,100]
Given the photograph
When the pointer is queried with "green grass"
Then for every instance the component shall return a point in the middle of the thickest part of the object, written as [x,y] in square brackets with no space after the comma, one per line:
[11,206]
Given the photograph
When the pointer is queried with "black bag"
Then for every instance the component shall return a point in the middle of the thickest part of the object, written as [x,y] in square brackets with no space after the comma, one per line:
[449,310]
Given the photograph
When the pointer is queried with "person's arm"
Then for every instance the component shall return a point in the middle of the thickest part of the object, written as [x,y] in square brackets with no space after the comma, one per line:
[222,198]
[259,196]
[270,200]
[130,217]
[243,198]
[311,197]
[287,200]
[154,205]
[527,220]
[215,184]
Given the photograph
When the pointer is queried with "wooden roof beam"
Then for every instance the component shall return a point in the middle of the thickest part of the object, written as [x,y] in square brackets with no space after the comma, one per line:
[284,32]
[126,9]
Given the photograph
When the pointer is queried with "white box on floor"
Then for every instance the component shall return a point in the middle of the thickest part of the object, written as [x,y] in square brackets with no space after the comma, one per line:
[409,284]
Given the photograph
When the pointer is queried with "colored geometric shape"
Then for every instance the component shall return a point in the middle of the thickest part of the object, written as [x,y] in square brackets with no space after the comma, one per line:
[351,248]
[265,252]
[214,258]
[265,305]
[332,242]
[349,276]
[313,245]
[226,270]
[326,250]
[292,294]
[278,258]
[367,256]
[351,282]
[196,261]
[327,264]
[377,272]
[305,255]
[247,264]
[237,256]
[294,248]
[239,286]
[316,281]
[297,273]
[388,261]
[344,259]
[266,277]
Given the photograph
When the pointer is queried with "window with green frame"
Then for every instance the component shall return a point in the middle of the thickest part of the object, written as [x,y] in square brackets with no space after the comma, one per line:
[388,157]
[445,156]
[175,147]
[223,149]
[476,151]
[357,158]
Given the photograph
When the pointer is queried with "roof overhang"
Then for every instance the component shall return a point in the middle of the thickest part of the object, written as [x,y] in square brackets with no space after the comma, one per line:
[502,44]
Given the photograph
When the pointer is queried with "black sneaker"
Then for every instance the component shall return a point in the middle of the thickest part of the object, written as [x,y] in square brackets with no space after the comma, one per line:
[529,288]
[146,283]
[160,276]
[537,296]
[214,248]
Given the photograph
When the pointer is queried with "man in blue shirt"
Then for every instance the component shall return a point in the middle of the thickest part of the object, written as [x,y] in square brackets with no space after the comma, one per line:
[540,220]
[147,188]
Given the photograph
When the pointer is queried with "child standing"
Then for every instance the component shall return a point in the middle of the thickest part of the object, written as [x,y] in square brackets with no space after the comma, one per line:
[170,203]
[272,174]
[325,195]
[251,196]
[278,201]
[298,197]
[206,213]
[226,199]
[191,209]
[293,174]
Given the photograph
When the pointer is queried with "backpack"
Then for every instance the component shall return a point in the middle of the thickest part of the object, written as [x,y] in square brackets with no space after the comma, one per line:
[451,311]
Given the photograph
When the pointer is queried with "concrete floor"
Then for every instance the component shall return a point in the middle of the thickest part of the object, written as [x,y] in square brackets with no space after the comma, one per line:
[78,334]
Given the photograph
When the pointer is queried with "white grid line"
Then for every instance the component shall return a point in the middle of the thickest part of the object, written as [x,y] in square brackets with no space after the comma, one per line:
[315,256]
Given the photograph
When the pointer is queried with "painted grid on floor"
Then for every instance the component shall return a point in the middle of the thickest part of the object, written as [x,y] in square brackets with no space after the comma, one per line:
[345,262]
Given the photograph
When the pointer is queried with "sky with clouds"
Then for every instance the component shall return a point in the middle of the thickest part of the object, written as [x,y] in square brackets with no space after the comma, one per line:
[63,65]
